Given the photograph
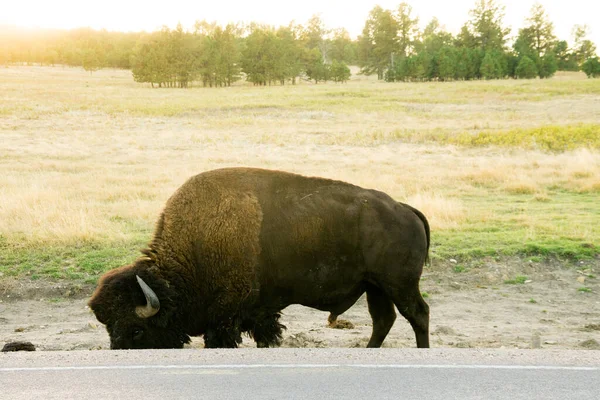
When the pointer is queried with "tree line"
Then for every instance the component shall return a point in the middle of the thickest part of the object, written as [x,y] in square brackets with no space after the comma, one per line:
[391,46]
[219,56]
[83,47]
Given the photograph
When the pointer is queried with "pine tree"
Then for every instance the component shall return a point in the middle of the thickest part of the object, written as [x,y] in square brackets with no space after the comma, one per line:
[316,68]
[547,65]
[181,58]
[447,63]
[526,69]
[90,60]
[483,37]
[407,28]
[466,38]
[317,57]
[536,41]
[463,61]
[228,55]
[486,25]
[591,67]
[492,65]
[541,30]
[257,56]
[378,42]
[339,71]
[291,54]
[438,45]
[149,60]
[524,44]
[341,47]
[313,35]
[584,48]
[566,60]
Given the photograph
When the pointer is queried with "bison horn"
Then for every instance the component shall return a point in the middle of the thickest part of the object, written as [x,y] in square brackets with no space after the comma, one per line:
[152,303]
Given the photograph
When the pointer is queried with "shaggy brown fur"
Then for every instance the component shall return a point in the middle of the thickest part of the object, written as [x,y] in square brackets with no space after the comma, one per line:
[235,246]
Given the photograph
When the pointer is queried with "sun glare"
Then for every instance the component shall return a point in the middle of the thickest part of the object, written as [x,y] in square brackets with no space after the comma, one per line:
[149,15]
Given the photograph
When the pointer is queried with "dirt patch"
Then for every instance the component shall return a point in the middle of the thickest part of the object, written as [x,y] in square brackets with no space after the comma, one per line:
[592,327]
[470,309]
[342,324]
[590,344]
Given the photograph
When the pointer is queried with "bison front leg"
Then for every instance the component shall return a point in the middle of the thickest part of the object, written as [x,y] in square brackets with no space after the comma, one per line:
[266,331]
[383,314]
[222,337]
[332,319]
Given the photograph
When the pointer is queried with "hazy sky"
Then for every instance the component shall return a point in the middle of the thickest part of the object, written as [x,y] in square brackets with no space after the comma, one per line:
[135,15]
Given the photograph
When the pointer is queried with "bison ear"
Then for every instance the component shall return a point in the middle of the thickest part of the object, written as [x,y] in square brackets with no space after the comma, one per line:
[108,296]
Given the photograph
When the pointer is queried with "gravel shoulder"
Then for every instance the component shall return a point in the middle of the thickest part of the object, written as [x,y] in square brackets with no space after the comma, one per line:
[557,306]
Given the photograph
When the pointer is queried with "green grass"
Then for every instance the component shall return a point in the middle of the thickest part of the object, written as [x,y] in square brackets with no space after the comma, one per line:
[551,138]
[459,269]
[518,280]
[56,300]
[83,262]
[548,138]
[519,225]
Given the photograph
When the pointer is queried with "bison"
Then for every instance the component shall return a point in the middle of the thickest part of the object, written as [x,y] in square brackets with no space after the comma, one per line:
[235,246]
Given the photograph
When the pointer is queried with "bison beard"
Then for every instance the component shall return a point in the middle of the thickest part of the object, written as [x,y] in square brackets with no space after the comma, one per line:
[233,247]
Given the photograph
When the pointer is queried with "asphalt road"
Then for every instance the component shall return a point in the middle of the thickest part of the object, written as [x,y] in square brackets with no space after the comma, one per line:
[302,374]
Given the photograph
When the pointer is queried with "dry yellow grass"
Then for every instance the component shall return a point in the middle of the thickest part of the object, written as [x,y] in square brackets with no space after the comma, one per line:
[95,157]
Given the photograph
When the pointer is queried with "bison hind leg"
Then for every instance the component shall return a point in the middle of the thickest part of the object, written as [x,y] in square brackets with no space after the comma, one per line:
[416,311]
[265,330]
[411,305]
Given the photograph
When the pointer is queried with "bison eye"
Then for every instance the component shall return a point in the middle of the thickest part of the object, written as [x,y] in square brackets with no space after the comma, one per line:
[137,334]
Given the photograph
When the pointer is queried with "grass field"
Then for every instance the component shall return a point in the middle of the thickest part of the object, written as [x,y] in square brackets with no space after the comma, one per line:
[500,168]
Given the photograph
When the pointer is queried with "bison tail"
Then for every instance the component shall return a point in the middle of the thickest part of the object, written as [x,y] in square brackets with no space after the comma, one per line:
[427,232]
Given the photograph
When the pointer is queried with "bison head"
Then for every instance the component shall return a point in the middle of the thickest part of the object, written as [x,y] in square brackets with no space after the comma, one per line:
[137,308]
